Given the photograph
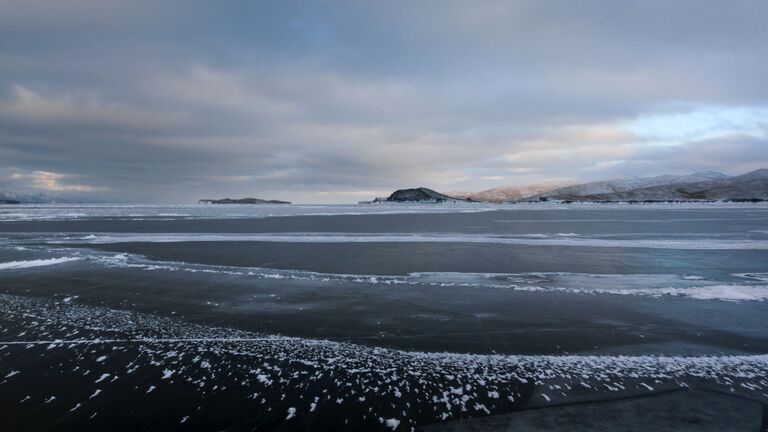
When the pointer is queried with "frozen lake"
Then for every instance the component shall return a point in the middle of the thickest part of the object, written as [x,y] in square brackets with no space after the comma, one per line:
[371,316]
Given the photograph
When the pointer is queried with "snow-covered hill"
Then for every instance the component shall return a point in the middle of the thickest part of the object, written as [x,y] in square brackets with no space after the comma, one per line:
[28,198]
[511,193]
[632,183]
[698,186]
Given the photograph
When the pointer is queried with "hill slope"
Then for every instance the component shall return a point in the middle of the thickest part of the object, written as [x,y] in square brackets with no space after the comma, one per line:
[421,194]
[699,186]
[511,193]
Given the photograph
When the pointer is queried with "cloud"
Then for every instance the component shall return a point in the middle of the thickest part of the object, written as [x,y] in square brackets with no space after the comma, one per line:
[27,107]
[173,102]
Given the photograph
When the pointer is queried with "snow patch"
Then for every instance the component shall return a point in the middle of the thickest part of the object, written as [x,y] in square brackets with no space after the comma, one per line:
[392,423]
[561,239]
[35,263]
[291,413]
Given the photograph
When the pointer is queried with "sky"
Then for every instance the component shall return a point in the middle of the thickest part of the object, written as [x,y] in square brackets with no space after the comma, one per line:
[336,101]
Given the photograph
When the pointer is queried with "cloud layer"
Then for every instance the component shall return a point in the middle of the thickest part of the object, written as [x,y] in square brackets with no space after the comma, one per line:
[335,102]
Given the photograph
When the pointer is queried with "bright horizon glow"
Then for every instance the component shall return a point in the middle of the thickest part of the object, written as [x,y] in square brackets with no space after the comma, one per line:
[701,124]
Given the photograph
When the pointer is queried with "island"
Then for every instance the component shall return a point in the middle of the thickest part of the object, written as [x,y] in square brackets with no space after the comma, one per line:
[420,195]
[9,201]
[241,201]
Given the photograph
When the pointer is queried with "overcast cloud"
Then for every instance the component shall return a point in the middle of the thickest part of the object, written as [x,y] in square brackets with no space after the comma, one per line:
[340,101]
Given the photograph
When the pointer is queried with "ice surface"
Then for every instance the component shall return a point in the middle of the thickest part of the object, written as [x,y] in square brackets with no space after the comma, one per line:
[442,385]
[35,263]
[528,239]
[652,285]
[165,212]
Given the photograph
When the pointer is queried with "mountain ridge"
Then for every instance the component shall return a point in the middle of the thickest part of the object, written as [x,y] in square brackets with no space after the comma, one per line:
[512,193]
[22,198]
[707,186]
[699,186]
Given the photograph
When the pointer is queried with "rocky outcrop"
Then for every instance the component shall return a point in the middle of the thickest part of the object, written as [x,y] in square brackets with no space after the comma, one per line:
[421,194]
[242,201]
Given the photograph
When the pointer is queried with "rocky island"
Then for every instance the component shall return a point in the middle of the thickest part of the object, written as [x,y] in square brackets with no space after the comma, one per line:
[420,195]
[242,201]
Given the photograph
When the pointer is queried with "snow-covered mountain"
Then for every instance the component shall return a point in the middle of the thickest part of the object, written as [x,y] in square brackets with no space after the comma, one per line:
[698,186]
[631,183]
[39,198]
[511,193]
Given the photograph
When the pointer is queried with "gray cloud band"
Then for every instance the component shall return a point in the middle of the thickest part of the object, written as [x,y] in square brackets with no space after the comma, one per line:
[312,103]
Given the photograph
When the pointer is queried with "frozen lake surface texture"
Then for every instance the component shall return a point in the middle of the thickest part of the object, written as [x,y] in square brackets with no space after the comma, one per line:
[384,317]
